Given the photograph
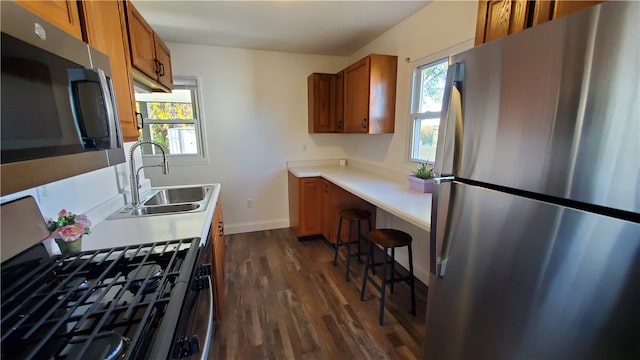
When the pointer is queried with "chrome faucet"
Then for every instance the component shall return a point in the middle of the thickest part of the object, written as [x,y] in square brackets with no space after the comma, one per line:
[134,174]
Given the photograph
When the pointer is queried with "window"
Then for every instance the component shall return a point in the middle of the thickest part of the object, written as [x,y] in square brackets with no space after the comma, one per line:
[173,120]
[426,105]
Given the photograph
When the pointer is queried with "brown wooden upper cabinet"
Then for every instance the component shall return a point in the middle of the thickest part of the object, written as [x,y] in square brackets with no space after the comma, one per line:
[358,99]
[150,57]
[370,95]
[499,18]
[63,14]
[320,93]
[105,29]
[326,102]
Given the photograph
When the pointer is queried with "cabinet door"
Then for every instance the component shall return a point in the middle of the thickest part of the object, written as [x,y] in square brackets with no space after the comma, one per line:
[63,14]
[163,55]
[326,210]
[338,100]
[110,37]
[217,230]
[499,18]
[566,7]
[310,206]
[549,10]
[141,38]
[356,97]
[319,93]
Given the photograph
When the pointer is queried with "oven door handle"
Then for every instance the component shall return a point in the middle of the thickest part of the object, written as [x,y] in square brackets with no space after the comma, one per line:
[207,340]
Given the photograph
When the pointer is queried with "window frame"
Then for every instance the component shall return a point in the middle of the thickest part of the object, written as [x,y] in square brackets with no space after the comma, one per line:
[434,57]
[192,83]
[415,116]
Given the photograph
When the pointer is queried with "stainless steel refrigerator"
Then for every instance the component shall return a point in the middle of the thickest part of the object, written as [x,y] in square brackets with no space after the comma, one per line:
[535,233]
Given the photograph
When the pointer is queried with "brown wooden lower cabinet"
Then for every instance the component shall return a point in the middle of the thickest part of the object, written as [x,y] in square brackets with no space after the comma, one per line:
[217,242]
[315,204]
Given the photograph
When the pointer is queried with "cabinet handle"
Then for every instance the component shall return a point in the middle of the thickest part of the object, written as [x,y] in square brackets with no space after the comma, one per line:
[364,123]
[156,66]
[139,121]
[340,125]
[221,228]
[161,69]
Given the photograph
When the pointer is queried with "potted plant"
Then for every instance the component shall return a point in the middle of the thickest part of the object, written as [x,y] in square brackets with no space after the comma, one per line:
[422,179]
[68,230]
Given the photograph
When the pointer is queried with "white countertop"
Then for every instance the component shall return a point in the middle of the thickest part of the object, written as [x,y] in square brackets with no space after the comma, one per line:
[392,196]
[146,229]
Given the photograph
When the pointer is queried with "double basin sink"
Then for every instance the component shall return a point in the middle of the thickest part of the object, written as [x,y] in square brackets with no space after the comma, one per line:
[173,200]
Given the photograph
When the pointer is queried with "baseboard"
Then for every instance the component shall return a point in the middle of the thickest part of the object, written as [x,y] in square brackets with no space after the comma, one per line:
[255,226]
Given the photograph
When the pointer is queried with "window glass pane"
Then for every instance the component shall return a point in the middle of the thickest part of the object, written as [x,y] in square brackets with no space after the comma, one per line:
[178,139]
[432,80]
[169,111]
[171,120]
[425,139]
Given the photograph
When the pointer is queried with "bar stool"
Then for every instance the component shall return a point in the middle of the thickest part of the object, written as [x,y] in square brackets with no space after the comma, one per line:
[352,216]
[388,239]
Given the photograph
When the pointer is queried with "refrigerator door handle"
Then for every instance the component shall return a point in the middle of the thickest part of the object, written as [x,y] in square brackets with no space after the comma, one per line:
[440,224]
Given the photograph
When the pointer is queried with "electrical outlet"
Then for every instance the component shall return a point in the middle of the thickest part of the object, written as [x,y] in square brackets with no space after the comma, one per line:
[42,191]
[249,203]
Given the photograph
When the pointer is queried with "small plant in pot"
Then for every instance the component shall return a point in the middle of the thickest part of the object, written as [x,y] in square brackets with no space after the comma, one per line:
[67,231]
[422,179]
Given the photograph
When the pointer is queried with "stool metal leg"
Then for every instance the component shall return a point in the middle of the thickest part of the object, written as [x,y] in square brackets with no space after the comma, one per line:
[358,235]
[383,291]
[337,244]
[365,276]
[393,267]
[373,269]
[413,288]
[348,245]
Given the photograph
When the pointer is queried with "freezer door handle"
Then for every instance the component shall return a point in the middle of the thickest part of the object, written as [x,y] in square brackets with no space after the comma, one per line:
[444,179]
[449,149]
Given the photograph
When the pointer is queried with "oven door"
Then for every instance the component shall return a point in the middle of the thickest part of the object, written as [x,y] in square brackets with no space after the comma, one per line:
[195,328]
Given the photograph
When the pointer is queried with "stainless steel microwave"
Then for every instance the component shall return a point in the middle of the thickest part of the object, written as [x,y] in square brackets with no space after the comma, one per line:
[58,109]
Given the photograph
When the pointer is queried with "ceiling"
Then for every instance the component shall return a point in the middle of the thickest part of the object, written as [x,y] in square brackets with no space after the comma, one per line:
[309,27]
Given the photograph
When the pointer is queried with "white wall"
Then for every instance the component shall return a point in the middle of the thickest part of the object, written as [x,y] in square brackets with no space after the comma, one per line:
[255,111]
[438,26]
[255,107]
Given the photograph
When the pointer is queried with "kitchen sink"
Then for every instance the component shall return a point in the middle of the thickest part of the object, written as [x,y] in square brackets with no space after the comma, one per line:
[163,209]
[179,195]
[167,201]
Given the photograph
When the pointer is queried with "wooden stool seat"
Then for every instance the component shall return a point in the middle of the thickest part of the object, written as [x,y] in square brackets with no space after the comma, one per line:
[388,239]
[351,216]
[355,214]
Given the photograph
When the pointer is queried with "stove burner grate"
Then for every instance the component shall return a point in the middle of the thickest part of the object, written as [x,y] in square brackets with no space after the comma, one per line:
[122,291]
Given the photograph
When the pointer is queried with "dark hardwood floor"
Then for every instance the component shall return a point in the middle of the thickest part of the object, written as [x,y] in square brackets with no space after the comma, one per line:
[284,299]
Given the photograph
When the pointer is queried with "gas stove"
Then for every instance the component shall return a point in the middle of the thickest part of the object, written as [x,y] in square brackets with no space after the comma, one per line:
[133,302]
